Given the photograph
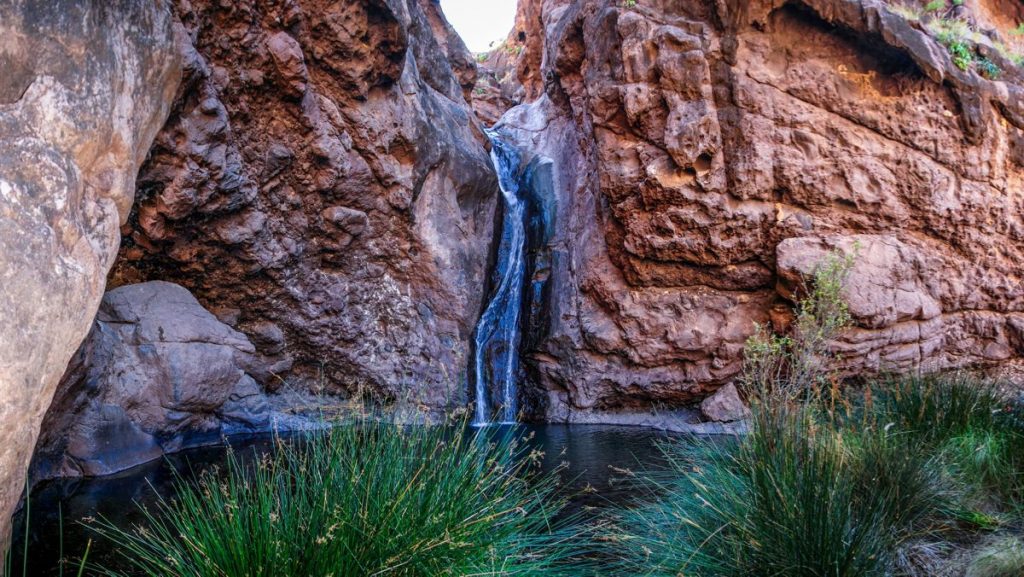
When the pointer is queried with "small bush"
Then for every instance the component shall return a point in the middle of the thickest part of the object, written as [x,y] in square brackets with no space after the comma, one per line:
[961,53]
[988,69]
[787,366]
[371,498]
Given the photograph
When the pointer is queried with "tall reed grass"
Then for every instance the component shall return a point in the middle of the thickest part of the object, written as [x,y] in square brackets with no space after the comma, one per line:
[829,483]
[371,498]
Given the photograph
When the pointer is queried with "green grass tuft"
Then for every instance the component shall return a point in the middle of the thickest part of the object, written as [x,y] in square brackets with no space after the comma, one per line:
[794,498]
[372,498]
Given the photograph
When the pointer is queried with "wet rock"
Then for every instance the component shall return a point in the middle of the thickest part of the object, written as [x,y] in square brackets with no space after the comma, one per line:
[85,86]
[157,373]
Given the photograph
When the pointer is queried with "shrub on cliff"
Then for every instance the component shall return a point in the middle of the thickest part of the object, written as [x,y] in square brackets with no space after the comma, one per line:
[372,498]
[783,367]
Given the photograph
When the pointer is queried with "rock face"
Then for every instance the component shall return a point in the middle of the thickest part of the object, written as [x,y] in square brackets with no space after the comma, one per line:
[157,373]
[724,406]
[86,84]
[323,186]
[706,153]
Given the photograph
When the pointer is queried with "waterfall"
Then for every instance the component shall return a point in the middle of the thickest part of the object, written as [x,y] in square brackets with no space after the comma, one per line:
[497,332]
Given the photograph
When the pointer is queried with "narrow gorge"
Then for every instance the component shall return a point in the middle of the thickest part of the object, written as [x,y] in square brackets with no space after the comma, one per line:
[228,219]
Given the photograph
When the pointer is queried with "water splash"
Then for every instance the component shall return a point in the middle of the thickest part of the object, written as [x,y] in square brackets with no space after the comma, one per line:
[497,333]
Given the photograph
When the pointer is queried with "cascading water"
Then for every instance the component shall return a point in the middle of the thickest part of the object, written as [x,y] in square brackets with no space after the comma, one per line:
[497,333]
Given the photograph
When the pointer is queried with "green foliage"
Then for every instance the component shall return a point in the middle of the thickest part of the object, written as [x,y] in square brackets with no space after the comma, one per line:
[629,4]
[935,6]
[965,422]
[978,520]
[839,485]
[370,498]
[795,497]
[935,409]
[1005,558]
[791,365]
[956,36]
[988,69]
[961,53]
[842,487]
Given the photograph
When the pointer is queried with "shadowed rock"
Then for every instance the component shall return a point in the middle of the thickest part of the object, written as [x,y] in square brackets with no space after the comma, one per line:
[86,84]
[321,171]
[157,373]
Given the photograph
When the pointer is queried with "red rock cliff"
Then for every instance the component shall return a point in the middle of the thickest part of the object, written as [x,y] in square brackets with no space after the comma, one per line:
[323,186]
[707,153]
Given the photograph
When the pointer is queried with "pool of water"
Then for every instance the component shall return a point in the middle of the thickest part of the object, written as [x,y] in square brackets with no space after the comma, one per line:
[590,459]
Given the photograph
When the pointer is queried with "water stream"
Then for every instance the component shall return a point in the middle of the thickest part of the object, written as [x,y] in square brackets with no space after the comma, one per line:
[497,333]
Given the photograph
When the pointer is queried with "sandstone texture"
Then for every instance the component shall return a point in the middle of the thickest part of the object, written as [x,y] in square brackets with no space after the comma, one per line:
[86,85]
[324,188]
[724,405]
[157,373]
[706,154]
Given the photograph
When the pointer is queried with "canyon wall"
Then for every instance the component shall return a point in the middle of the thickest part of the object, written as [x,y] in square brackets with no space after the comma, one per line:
[86,85]
[323,187]
[707,154]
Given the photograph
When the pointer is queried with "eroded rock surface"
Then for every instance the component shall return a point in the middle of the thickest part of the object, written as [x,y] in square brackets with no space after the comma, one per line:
[86,84]
[706,153]
[323,187]
[156,374]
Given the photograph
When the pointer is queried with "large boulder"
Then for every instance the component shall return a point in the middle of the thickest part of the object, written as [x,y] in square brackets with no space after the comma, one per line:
[86,85]
[323,185]
[706,154]
[157,373]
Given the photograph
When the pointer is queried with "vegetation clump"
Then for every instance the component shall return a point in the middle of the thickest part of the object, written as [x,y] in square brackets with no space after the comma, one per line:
[961,41]
[370,498]
[898,477]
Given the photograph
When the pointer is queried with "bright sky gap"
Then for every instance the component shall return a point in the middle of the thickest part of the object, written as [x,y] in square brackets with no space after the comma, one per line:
[483,24]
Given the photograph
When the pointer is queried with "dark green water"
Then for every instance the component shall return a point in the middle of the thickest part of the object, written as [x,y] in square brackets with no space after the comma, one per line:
[592,454]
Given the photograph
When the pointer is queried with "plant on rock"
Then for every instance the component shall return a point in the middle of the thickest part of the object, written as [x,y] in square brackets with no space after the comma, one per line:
[795,364]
